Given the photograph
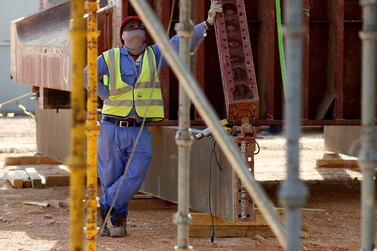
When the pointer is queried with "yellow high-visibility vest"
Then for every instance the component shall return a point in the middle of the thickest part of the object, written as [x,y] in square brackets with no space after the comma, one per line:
[146,95]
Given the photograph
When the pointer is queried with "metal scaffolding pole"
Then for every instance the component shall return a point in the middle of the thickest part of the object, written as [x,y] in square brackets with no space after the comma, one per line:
[92,127]
[191,86]
[367,157]
[293,191]
[184,137]
[76,160]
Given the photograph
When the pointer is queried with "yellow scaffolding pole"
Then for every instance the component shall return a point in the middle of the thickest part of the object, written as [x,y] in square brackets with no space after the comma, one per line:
[92,127]
[76,160]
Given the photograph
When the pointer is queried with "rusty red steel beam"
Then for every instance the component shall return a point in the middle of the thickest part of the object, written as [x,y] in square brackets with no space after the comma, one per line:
[199,57]
[236,61]
[163,10]
[266,122]
[40,48]
[336,51]
[242,203]
[306,61]
[266,79]
[36,58]
[39,55]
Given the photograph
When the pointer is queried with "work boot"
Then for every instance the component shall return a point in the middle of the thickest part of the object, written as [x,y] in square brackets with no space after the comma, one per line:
[118,227]
[101,216]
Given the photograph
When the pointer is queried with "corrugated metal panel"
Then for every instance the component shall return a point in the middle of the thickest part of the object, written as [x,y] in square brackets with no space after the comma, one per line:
[331,59]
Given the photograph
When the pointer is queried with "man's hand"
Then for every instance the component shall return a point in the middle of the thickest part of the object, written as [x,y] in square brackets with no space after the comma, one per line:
[215,8]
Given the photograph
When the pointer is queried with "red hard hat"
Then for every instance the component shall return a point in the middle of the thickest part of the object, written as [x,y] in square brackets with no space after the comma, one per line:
[124,22]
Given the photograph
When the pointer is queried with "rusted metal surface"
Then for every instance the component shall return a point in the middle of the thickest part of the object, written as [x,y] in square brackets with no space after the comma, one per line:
[336,52]
[236,61]
[306,59]
[163,11]
[242,203]
[266,79]
[40,46]
[331,58]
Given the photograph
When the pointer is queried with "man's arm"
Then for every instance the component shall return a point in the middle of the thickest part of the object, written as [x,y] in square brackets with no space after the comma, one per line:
[198,35]
[102,90]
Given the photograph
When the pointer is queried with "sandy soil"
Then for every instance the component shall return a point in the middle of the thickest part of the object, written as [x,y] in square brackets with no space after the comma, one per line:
[24,227]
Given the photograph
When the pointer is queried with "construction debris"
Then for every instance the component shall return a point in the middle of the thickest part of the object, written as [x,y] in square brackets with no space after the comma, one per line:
[334,160]
[18,178]
[37,176]
[59,203]
[37,203]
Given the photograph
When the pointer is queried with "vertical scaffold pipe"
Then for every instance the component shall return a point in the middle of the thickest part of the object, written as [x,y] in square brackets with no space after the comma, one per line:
[76,160]
[293,191]
[184,138]
[367,156]
[92,127]
[206,111]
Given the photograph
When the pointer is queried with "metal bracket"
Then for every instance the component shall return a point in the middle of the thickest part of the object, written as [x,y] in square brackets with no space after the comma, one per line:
[236,61]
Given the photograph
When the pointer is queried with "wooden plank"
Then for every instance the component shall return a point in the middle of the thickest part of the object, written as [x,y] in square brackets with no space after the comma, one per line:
[337,163]
[222,231]
[36,181]
[13,179]
[50,175]
[147,202]
[18,178]
[29,160]
[205,219]
[202,225]
[53,175]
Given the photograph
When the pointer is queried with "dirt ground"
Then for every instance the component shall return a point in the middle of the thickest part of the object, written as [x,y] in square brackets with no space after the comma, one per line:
[24,227]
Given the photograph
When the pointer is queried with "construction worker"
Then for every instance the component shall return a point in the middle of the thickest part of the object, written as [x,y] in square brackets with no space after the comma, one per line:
[131,91]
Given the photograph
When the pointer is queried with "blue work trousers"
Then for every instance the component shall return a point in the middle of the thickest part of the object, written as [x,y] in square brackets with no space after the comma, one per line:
[115,145]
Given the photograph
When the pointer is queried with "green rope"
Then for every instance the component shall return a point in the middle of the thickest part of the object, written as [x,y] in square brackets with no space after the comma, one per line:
[281,45]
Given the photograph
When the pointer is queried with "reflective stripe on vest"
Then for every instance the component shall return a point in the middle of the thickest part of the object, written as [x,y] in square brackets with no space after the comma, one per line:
[146,95]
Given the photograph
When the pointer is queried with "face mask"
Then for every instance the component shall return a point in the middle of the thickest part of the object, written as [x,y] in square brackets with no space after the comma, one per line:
[134,41]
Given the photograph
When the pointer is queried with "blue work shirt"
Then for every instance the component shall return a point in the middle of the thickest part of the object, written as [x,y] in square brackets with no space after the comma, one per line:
[130,69]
